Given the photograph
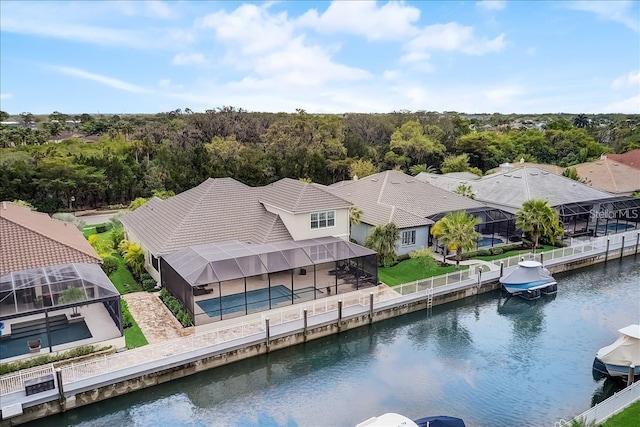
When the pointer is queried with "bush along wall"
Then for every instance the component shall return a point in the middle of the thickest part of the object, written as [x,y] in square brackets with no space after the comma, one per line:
[174,305]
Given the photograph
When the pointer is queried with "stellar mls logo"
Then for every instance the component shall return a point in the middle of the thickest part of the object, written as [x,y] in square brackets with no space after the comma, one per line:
[610,215]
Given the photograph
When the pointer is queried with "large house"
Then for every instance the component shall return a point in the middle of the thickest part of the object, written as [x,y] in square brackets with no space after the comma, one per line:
[610,175]
[583,210]
[414,206]
[48,273]
[226,249]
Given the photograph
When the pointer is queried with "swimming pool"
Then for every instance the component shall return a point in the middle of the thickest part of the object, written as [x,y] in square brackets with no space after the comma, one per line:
[488,241]
[615,227]
[61,332]
[256,299]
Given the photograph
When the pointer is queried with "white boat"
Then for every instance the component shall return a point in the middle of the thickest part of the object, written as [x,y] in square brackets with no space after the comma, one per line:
[391,419]
[616,359]
[529,280]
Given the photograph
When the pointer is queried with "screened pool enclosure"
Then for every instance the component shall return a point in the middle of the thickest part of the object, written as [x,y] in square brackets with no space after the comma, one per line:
[228,279]
[56,306]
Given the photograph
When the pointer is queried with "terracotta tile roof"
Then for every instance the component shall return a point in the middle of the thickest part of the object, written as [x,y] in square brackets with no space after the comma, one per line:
[219,209]
[610,175]
[630,158]
[32,240]
[393,196]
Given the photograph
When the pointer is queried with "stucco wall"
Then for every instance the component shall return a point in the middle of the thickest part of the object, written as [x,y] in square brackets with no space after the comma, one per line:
[299,225]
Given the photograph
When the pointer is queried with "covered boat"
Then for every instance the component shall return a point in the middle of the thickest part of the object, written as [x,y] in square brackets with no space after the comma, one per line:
[616,359]
[529,280]
[391,419]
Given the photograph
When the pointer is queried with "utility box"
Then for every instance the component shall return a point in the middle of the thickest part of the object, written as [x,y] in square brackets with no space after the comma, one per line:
[38,385]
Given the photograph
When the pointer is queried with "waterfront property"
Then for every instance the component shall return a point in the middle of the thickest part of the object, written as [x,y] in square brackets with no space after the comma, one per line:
[53,294]
[583,210]
[609,175]
[414,206]
[220,280]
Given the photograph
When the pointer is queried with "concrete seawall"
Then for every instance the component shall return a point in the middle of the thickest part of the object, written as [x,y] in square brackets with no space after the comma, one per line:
[101,387]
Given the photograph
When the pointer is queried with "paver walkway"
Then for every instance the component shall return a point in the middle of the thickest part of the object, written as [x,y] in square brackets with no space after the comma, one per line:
[154,318]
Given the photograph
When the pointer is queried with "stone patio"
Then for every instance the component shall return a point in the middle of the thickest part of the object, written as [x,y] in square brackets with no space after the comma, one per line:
[154,318]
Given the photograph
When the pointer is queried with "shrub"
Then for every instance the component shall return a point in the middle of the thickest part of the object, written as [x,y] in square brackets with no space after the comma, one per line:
[496,251]
[145,276]
[483,252]
[103,228]
[117,236]
[84,350]
[109,265]
[127,319]
[176,308]
[149,285]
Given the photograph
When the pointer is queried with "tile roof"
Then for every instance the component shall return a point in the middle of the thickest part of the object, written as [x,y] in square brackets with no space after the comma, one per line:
[393,196]
[509,190]
[218,209]
[610,175]
[34,240]
[630,158]
[296,196]
[517,165]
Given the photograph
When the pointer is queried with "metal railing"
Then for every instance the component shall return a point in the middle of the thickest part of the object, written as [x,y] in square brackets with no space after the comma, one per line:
[607,408]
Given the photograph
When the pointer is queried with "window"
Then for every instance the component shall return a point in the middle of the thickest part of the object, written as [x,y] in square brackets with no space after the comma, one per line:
[323,219]
[409,238]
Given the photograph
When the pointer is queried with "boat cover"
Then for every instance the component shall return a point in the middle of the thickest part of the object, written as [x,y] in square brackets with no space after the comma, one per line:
[439,421]
[625,351]
[527,272]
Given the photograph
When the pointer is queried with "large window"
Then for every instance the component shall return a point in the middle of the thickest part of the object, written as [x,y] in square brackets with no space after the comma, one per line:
[323,219]
[409,238]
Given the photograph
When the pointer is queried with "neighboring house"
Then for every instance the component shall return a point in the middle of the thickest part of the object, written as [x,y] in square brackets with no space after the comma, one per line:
[40,259]
[504,167]
[225,249]
[610,175]
[630,158]
[582,209]
[223,209]
[411,204]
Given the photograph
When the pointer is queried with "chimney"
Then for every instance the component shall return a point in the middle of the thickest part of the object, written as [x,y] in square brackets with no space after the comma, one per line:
[506,167]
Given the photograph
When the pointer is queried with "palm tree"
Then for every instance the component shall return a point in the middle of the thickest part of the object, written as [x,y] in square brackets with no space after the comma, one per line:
[355,215]
[465,191]
[457,231]
[416,169]
[538,219]
[581,121]
[382,239]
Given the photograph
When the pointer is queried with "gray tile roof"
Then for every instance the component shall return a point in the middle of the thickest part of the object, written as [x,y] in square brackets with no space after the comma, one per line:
[393,196]
[296,196]
[216,210]
[510,189]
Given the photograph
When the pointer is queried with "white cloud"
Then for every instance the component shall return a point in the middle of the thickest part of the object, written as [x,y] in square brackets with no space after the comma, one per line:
[628,106]
[631,79]
[451,37]
[157,9]
[6,95]
[189,59]
[618,11]
[391,21]
[108,81]
[492,4]
[164,82]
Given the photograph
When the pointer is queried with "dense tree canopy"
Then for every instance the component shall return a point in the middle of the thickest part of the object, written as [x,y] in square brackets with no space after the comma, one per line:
[111,159]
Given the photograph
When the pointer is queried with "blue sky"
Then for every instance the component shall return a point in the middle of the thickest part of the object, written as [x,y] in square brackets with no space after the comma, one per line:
[334,57]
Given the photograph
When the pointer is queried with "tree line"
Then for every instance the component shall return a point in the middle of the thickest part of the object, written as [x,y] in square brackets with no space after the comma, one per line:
[175,151]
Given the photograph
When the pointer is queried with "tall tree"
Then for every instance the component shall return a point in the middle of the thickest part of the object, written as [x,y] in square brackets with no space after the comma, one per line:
[581,121]
[537,219]
[411,141]
[457,231]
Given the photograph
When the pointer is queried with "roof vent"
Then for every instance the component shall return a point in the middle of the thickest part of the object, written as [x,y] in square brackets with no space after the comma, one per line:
[413,180]
[545,173]
[507,174]
[374,179]
[603,157]
[517,176]
[534,173]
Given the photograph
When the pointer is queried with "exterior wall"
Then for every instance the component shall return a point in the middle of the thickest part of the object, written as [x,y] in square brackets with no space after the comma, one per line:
[359,232]
[299,225]
[422,240]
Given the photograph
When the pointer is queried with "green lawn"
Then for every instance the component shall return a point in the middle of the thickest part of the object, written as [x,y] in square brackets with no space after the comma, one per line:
[628,418]
[122,279]
[543,248]
[133,336]
[411,270]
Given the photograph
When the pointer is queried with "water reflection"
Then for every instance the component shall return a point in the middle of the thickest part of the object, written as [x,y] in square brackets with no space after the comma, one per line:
[527,315]
[608,388]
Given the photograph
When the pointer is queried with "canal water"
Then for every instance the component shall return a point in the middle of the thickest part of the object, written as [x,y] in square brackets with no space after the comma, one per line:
[489,360]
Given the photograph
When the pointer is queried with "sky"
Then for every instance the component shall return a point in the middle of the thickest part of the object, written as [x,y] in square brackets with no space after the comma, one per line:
[493,56]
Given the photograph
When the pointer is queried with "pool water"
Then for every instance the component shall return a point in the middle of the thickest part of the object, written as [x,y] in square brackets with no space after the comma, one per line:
[256,299]
[615,227]
[489,241]
[11,346]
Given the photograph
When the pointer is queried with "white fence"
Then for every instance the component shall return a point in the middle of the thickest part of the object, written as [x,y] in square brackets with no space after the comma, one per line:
[607,408]
[153,352]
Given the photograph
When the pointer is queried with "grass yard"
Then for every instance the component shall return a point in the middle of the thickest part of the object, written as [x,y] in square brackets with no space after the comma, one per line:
[627,418]
[411,270]
[543,248]
[122,279]
[133,336]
